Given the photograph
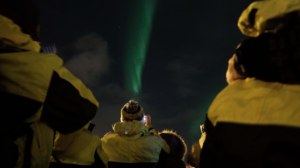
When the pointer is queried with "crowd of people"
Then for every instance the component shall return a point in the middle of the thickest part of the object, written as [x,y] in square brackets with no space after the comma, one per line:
[253,122]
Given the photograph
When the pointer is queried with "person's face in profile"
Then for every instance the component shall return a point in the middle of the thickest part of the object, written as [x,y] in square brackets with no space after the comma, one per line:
[202,128]
[231,73]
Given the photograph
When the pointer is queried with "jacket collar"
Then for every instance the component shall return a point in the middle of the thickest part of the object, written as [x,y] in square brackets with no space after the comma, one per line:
[130,128]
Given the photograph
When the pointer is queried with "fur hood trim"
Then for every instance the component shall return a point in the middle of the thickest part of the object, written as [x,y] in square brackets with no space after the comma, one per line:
[168,135]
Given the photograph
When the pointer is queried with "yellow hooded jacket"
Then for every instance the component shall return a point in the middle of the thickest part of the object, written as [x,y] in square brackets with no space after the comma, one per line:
[131,142]
[51,93]
[253,123]
[78,148]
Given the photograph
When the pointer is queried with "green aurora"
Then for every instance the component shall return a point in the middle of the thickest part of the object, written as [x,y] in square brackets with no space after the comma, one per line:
[140,25]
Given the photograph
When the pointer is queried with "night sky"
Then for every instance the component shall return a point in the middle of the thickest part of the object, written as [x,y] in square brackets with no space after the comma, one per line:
[186,61]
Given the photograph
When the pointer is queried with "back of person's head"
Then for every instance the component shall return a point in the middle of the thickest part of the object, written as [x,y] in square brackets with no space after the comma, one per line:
[132,111]
[177,145]
[177,151]
[24,13]
[272,56]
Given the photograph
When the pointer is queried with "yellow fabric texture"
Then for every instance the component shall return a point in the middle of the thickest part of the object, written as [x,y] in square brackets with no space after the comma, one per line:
[202,139]
[132,147]
[37,67]
[41,146]
[166,147]
[257,102]
[12,35]
[28,74]
[266,11]
[78,148]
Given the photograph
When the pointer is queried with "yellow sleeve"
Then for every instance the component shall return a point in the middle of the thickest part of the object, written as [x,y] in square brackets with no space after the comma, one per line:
[165,146]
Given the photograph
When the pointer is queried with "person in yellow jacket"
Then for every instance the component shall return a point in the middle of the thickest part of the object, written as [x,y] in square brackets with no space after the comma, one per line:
[38,94]
[193,158]
[134,142]
[78,149]
[254,121]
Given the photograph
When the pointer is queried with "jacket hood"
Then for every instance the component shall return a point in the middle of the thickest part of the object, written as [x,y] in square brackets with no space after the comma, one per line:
[130,128]
[12,35]
[177,145]
[264,16]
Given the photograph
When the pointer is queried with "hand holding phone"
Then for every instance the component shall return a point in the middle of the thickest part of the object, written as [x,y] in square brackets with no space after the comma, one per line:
[147,119]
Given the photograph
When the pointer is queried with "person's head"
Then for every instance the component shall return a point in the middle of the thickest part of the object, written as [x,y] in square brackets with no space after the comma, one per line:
[202,128]
[231,73]
[176,143]
[132,111]
[271,57]
[24,13]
